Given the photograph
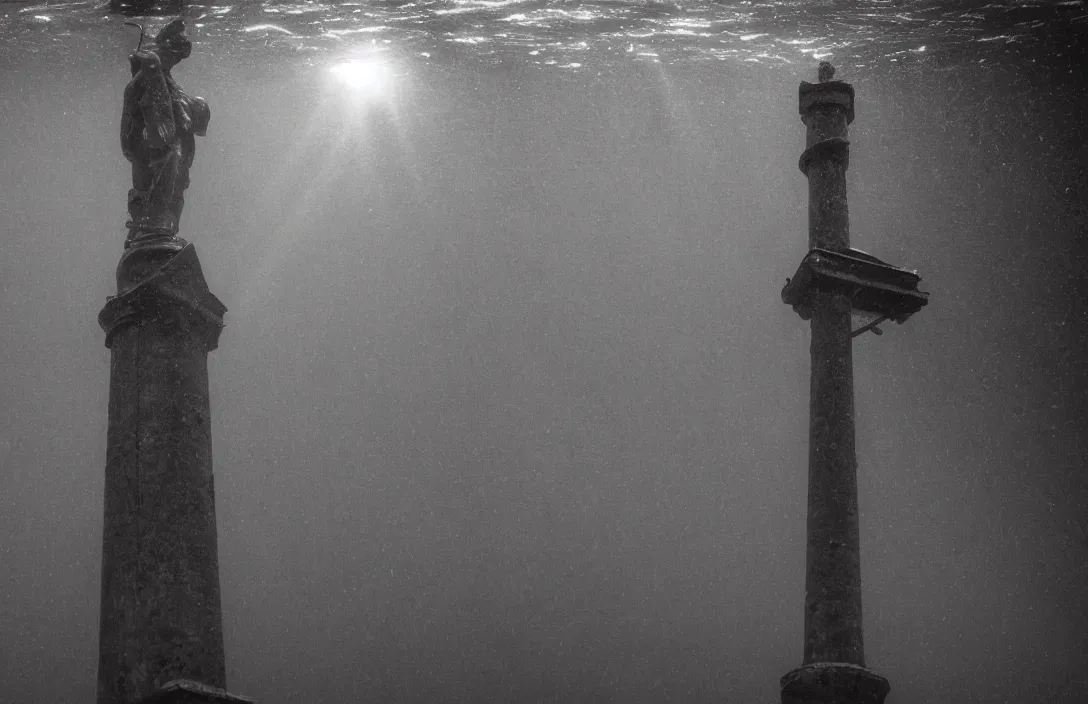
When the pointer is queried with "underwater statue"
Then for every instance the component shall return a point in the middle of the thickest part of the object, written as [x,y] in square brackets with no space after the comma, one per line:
[159,124]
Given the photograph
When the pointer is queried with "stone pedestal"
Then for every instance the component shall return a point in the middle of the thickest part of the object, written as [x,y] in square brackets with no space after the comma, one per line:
[833,683]
[161,618]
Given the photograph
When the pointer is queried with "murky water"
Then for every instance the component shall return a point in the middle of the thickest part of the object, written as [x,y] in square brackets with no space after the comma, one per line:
[507,407]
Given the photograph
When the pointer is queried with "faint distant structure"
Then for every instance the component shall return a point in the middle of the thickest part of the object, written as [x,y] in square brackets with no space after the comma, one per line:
[843,292]
[147,7]
[161,633]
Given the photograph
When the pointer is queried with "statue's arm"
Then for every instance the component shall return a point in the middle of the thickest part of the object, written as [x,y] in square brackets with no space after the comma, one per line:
[129,128]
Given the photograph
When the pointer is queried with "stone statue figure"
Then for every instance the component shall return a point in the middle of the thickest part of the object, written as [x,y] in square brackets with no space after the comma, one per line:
[159,124]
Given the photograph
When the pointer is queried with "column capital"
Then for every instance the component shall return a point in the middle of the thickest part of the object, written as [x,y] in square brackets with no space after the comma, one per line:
[826,95]
[148,277]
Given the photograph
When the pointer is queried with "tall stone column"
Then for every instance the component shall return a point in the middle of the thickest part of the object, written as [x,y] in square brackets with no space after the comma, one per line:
[161,618]
[833,630]
[833,670]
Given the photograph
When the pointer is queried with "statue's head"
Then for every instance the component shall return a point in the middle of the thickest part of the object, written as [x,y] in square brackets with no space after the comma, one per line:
[172,45]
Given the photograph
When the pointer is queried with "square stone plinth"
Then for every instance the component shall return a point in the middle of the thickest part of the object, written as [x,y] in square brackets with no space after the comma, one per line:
[190,692]
[833,683]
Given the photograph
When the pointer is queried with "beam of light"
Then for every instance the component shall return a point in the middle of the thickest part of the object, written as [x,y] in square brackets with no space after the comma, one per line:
[365,87]
[370,78]
[354,109]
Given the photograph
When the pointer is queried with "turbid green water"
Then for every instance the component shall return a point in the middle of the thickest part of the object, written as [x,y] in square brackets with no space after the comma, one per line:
[507,408]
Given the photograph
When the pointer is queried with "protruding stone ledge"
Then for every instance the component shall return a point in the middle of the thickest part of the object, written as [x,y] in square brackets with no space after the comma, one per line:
[870,285]
[192,692]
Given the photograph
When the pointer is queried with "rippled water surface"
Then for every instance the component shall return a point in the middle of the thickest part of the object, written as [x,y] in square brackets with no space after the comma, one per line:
[574,34]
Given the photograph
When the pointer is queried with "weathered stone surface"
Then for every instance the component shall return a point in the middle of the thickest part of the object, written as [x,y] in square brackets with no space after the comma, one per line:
[826,109]
[160,608]
[833,628]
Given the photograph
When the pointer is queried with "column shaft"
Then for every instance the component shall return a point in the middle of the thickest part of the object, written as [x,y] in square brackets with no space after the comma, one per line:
[160,610]
[833,630]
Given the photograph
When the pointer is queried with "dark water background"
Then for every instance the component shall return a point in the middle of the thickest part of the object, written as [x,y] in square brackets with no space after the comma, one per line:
[507,408]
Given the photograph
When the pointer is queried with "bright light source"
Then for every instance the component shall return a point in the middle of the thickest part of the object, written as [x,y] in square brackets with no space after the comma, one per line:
[370,77]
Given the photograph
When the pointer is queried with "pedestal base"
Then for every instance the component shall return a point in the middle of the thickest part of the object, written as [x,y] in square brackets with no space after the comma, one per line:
[190,692]
[833,683]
